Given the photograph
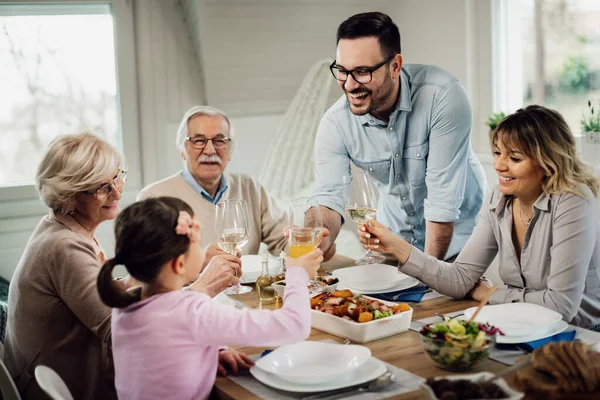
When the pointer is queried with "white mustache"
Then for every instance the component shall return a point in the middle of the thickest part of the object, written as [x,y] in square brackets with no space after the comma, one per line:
[209,159]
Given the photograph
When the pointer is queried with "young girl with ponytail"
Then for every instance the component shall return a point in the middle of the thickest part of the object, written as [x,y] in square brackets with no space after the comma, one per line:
[169,343]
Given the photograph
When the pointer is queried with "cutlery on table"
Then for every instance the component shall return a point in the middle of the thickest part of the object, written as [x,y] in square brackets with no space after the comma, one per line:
[372,386]
[508,371]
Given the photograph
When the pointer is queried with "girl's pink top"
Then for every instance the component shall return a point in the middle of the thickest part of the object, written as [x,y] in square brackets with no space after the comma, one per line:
[166,346]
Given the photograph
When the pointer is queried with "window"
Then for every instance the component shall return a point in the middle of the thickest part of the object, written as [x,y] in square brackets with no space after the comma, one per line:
[58,76]
[548,53]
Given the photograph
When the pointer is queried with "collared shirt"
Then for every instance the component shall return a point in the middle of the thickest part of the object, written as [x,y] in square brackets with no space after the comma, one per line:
[187,176]
[421,160]
[559,267]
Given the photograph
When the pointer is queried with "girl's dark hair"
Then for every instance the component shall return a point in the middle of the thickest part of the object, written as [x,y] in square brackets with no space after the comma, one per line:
[372,24]
[543,135]
[145,241]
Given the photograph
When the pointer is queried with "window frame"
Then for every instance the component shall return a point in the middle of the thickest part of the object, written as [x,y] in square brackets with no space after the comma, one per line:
[22,200]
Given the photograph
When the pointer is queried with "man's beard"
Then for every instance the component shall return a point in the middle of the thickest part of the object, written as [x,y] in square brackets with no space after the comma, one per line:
[375,103]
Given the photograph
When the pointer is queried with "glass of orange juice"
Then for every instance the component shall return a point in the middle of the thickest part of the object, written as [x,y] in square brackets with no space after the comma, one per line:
[303,240]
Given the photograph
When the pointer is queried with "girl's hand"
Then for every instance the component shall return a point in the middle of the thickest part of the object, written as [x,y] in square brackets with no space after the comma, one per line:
[234,361]
[311,262]
[377,237]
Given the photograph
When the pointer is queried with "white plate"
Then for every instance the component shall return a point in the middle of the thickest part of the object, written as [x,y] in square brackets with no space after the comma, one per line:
[412,282]
[550,330]
[312,362]
[252,266]
[516,319]
[379,277]
[511,393]
[222,298]
[371,369]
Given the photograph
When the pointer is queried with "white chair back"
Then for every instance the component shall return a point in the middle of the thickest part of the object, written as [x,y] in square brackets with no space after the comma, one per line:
[52,383]
[7,385]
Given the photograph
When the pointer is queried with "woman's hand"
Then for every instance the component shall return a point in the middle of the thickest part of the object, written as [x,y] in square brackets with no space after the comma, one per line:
[310,262]
[212,250]
[483,289]
[377,237]
[234,361]
[220,273]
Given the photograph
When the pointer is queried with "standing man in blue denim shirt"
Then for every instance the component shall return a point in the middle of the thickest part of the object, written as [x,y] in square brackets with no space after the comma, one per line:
[409,127]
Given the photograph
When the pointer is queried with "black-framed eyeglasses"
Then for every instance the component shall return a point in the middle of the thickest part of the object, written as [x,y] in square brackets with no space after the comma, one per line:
[199,142]
[360,75]
[103,191]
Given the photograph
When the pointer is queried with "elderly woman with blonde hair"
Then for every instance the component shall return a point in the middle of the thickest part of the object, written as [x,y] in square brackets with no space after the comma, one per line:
[56,317]
[541,220]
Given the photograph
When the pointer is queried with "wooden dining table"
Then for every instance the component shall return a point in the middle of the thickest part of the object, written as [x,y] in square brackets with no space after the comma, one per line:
[403,350]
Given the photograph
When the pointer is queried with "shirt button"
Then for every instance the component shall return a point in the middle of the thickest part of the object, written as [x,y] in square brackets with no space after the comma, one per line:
[397,155]
[391,128]
[372,121]
[418,154]
[398,176]
[403,197]
[411,214]
[371,169]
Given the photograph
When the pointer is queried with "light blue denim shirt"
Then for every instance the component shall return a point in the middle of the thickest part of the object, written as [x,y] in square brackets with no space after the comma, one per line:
[189,179]
[421,160]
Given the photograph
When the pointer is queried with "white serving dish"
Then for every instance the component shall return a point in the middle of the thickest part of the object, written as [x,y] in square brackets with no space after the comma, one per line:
[312,362]
[362,332]
[406,284]
[280,289]
[511,393]
[380,277]
[252,267]
[371,369]
[516,319]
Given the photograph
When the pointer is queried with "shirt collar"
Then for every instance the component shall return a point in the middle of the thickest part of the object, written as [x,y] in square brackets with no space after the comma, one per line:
[187,177]
[403,104]
[542,203]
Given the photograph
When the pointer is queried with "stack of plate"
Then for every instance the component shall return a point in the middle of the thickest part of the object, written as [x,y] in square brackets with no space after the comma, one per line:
[520,322]
[374,278]
[317,366]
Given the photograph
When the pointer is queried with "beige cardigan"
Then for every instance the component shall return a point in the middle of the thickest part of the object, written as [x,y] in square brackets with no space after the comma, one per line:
[55,315]
[266,219]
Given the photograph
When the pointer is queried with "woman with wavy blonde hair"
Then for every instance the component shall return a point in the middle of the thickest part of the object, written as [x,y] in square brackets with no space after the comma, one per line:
[542,220]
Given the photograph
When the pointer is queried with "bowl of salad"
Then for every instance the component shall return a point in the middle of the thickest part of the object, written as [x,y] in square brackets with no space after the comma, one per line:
[457,345]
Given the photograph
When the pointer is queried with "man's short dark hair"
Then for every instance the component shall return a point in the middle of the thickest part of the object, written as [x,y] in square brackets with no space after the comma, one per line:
[373,24]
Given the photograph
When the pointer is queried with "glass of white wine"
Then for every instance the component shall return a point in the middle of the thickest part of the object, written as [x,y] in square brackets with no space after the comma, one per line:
[360,204]
[231,224]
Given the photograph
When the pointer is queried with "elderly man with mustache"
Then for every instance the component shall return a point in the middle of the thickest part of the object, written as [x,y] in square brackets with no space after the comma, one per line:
[206,140]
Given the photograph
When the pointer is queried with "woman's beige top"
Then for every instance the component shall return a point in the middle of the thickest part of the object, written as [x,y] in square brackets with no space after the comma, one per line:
[560,257]
[55,315]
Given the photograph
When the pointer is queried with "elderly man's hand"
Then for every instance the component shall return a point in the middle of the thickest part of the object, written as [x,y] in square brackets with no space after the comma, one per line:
[221,272]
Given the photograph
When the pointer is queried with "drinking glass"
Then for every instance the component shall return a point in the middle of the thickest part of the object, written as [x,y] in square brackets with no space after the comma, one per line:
[231,224]
[360,204]
[297,213]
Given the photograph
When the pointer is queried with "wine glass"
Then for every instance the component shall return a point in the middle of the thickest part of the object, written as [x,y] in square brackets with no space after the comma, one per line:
[360,203]
[231,224]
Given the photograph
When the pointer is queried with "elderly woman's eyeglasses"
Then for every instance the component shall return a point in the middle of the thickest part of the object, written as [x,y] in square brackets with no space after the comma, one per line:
[103,191]
[360,75]
[200,142]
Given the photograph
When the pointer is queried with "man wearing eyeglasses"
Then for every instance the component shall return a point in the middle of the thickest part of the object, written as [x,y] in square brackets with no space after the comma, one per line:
[408,126]
[206,141]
